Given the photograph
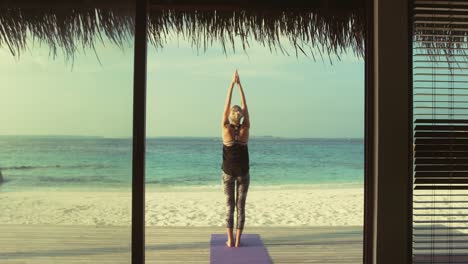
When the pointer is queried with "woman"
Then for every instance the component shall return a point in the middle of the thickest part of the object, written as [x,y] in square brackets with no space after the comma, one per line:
[235,160]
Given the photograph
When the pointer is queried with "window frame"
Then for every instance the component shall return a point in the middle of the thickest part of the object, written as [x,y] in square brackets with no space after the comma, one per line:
[373,226]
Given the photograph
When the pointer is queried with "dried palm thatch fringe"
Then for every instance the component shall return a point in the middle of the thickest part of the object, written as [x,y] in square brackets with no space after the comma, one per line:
[331,30]
[65,29]
[332,33]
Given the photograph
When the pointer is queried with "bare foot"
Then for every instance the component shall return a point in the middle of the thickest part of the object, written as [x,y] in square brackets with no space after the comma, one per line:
[238,244]
[229,244]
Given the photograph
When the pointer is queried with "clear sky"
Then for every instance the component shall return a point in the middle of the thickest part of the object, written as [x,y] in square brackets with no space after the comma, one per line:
[287,96]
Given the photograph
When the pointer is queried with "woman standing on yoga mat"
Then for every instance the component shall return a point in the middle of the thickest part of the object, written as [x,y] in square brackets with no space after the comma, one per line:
[235,166]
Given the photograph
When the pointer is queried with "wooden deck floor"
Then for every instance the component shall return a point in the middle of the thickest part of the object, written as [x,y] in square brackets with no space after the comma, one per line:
[111,244]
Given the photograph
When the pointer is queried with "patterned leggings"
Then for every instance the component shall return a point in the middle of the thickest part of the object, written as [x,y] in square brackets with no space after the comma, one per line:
[241,195]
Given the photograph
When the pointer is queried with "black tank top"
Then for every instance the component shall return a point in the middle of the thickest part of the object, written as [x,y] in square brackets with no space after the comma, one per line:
[236,157]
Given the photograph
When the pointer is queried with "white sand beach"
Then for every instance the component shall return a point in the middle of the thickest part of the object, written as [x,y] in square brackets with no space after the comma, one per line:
[189,206]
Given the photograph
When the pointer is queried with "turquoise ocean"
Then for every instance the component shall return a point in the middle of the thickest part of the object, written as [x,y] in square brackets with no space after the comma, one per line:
[31,162]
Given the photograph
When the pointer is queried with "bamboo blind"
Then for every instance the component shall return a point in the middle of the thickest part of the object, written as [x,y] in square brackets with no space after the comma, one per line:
[440,122]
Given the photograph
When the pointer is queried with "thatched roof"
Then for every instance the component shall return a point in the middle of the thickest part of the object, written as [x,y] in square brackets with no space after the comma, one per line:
[330,25]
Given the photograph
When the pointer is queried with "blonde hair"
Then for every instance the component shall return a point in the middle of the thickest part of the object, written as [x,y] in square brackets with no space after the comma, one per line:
[234,117]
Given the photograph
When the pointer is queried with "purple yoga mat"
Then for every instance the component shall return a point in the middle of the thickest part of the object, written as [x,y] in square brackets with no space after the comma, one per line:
[251,250]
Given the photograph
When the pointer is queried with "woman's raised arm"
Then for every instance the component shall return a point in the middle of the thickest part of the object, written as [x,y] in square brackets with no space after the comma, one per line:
[245,110]
[227,105]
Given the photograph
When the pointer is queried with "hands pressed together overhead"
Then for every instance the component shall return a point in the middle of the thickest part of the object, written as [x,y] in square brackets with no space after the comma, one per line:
[235,78]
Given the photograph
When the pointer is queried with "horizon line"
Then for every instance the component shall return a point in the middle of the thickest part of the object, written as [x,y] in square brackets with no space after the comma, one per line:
[154,137]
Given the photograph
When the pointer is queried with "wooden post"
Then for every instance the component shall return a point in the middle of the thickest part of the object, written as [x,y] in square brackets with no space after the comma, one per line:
[369,160]
[139,119]
[390,128]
